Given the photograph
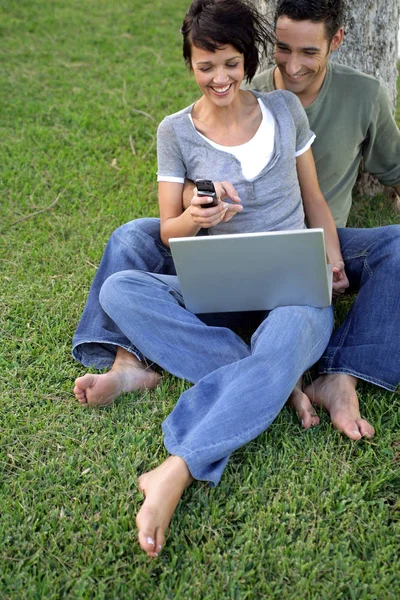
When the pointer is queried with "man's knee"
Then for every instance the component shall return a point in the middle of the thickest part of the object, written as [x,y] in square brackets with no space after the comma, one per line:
[385,254]
[393,241]
[359,243]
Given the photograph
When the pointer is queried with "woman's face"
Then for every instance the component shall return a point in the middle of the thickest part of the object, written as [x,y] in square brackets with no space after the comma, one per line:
[218,74]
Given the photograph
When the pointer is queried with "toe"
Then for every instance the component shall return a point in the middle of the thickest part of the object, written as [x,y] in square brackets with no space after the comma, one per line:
[80,394]
[146,521]
[305,420]
[307,415]
[159,540]
[147,542]
[314,420]
[351,430]
[86,381]
[365,428]
[309,419]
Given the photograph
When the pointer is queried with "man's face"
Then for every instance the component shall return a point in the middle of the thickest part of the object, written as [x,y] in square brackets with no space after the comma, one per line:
[301,54]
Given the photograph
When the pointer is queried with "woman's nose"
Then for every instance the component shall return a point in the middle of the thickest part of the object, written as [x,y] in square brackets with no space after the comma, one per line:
[221,76]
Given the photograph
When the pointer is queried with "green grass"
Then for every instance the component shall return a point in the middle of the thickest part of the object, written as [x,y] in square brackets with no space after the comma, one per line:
[298,514]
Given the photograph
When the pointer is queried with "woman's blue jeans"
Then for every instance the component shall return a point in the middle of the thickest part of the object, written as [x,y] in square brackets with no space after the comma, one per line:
[238,389]
[366,345]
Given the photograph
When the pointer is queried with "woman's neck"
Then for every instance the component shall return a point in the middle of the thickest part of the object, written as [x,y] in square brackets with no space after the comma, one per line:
[230,125]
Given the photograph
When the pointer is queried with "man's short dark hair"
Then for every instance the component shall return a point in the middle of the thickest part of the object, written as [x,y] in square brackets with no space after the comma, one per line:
[329,12]
[212,24]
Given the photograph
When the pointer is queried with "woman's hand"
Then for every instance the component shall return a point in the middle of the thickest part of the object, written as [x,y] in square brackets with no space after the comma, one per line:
[340,282]
[223,212]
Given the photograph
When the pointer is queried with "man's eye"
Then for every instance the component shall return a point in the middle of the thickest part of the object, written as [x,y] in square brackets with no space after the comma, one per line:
[280,49]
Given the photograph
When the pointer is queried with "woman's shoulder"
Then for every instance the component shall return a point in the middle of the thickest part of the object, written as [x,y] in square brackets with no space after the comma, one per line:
[176,117]
[277,97]
[281,101]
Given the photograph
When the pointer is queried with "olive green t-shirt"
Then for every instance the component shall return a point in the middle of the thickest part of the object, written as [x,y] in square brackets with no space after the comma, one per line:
[353,121]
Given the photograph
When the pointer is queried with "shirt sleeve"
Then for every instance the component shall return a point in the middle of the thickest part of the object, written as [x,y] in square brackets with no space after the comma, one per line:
[171,166]
[304,135]
[381,148]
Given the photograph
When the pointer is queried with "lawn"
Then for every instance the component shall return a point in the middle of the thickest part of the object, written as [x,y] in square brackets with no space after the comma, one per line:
[298,514]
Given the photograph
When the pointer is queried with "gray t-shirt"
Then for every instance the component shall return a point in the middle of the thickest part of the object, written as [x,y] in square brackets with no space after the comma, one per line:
[272,200]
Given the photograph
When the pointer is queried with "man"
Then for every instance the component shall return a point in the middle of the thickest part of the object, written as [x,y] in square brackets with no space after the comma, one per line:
[351,116]
[350,113]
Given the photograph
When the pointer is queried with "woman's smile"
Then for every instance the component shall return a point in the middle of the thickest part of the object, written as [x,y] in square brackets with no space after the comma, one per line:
[221,90]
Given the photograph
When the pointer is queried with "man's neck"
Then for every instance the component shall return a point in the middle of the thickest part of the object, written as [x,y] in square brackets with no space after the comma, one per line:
[306,97]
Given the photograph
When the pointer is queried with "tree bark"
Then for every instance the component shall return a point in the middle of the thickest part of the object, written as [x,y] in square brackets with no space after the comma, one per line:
[370,45]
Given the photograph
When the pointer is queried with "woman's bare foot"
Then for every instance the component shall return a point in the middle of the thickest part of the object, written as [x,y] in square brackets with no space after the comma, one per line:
[126,375]
[163,488]
[337,395]
[300,402]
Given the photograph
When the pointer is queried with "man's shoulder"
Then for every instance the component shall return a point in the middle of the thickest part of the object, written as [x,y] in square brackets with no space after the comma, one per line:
[263,81]
[353,80]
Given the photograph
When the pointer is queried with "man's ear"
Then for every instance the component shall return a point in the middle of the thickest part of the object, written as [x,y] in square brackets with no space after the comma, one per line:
[337,39]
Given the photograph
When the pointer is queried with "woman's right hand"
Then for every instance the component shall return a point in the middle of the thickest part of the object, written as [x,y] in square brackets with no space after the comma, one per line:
[223,212]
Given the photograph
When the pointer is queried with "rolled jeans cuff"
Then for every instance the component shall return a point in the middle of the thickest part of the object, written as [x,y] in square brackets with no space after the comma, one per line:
[100,354]
[324,370]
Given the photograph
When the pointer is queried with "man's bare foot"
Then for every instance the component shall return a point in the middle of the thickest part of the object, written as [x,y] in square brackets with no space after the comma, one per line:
[300,402]
[337,395]
[126,375]
[163,488]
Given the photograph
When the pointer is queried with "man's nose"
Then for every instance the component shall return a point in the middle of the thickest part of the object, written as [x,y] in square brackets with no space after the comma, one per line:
[293,65]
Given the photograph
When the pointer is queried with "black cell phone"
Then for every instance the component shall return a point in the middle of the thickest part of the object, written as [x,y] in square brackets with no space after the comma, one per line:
[205,187]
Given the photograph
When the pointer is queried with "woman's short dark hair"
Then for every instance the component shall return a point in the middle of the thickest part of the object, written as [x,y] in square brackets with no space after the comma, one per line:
[328,12]
[212,24]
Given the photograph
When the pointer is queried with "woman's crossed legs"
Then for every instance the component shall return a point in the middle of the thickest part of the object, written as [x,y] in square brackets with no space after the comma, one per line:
[238,391]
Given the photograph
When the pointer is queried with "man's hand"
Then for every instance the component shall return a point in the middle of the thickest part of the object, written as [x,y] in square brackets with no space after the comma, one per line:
[209,217]
[340,282]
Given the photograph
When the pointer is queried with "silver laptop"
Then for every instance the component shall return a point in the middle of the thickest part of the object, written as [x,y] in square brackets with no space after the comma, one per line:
[253,271]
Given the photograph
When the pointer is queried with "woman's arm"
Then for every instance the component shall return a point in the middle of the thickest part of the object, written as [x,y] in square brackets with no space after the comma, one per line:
[318,214]
[179,222]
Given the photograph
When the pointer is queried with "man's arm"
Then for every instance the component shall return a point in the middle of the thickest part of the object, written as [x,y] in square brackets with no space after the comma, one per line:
[318,215]
[381,152]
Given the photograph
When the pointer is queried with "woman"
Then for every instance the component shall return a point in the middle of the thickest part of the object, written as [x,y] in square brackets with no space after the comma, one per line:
[261,143]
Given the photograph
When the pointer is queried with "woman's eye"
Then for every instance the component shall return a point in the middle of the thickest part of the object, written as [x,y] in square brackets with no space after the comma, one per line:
[232,65]
[204,69]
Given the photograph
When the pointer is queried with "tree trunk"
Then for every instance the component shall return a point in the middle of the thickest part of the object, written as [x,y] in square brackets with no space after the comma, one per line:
[370,45]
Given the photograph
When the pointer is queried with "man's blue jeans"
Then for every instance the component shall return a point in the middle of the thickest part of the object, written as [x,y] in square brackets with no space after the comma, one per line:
[366,345]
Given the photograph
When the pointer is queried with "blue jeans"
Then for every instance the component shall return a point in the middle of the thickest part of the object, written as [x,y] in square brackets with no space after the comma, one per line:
[239,389]
[366,345]
[135,245]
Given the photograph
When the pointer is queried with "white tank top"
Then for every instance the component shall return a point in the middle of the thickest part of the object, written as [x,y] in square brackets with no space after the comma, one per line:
[255,154]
